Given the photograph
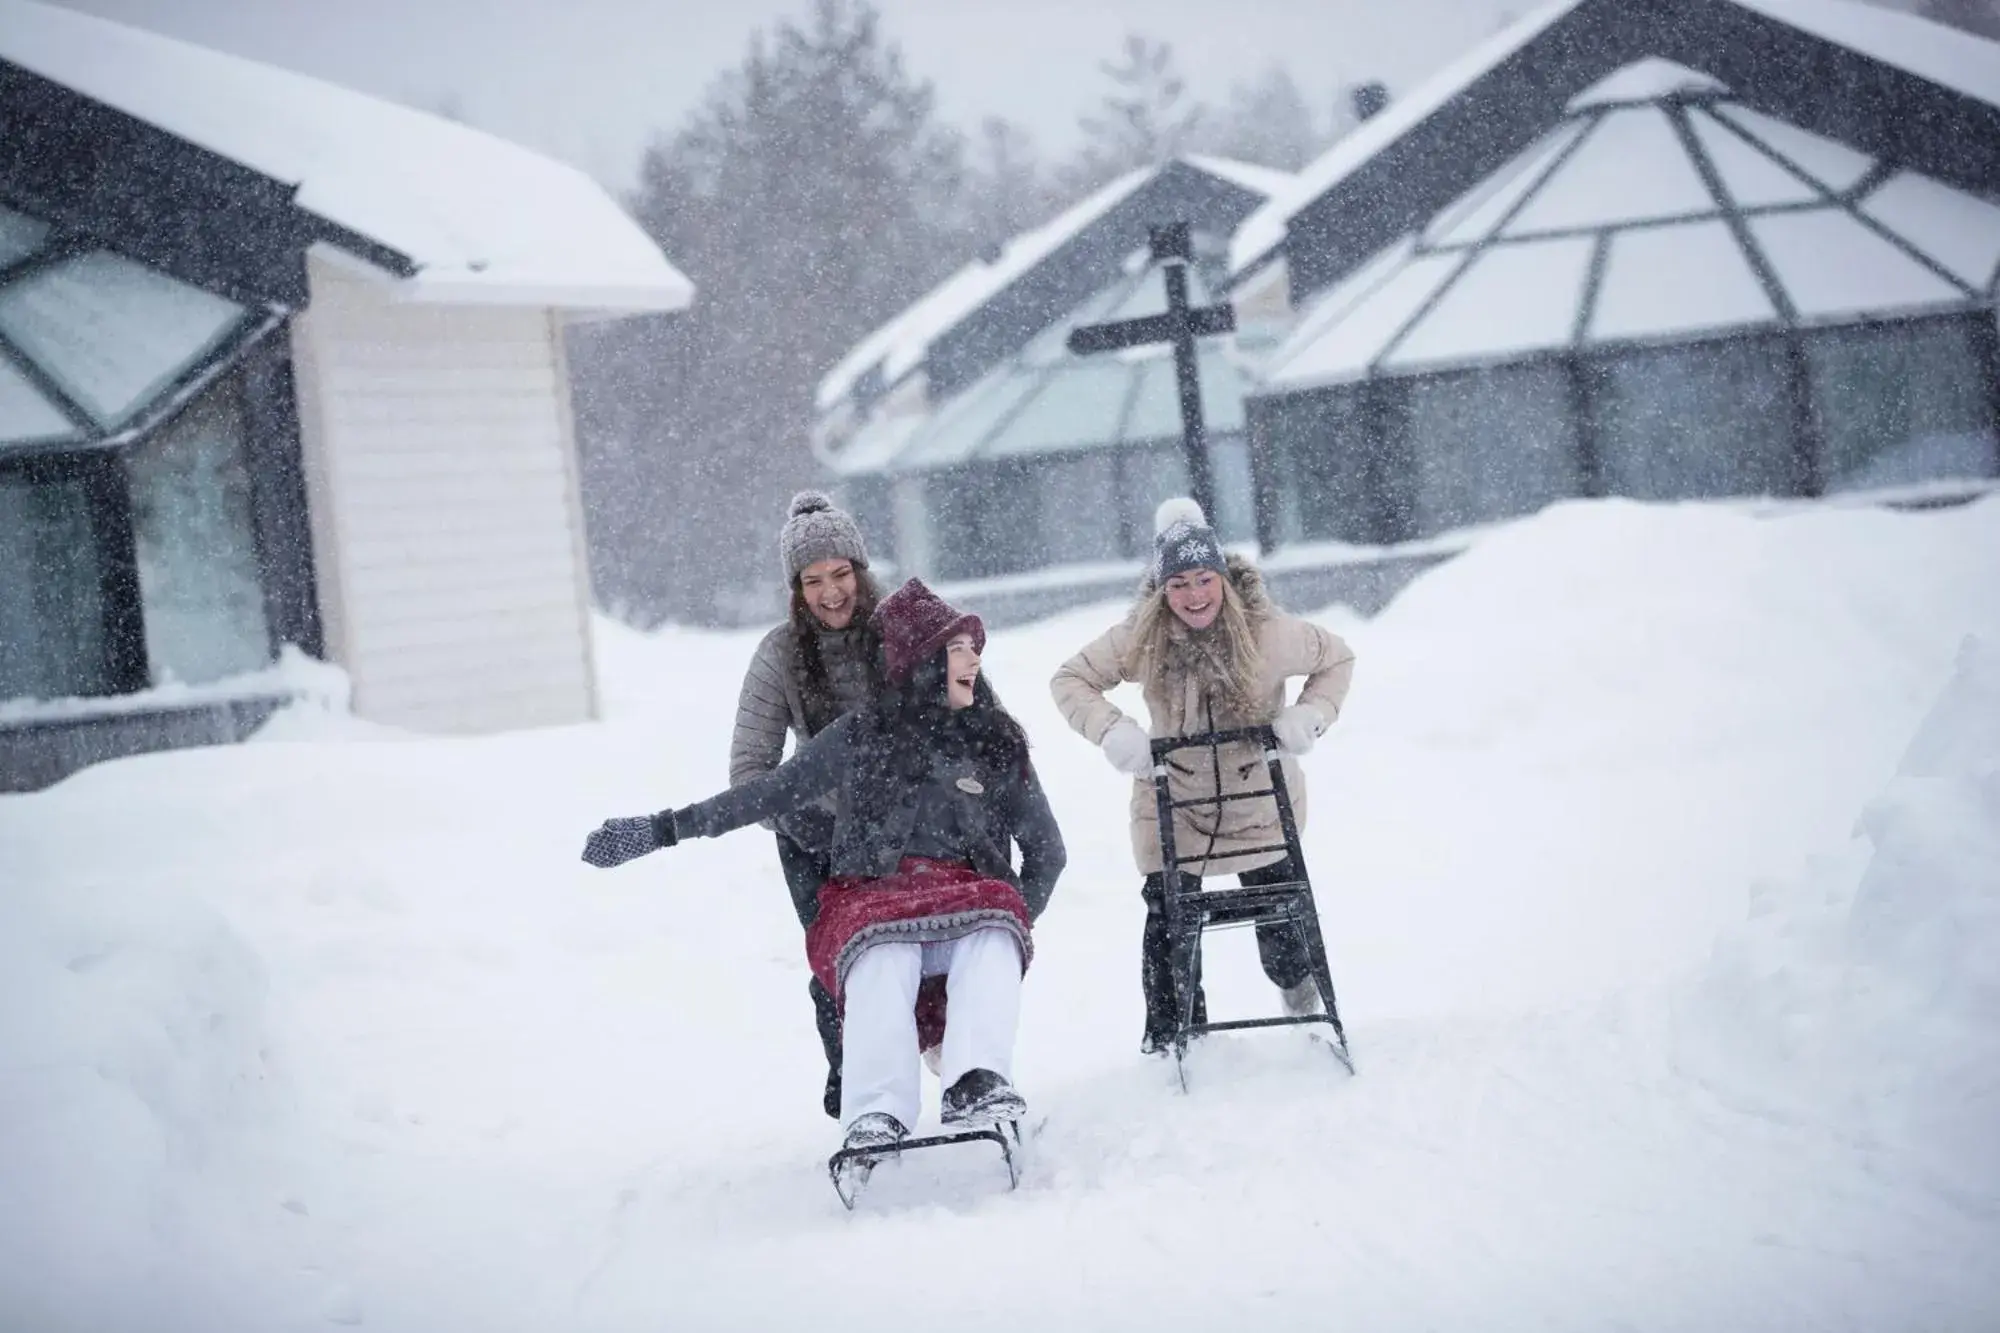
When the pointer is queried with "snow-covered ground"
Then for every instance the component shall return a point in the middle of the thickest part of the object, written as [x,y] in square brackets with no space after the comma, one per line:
[1660,856]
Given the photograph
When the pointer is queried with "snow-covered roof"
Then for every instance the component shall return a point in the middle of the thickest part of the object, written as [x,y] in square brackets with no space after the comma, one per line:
[1948,57]
[899,346]
[1608,230]
[481,219]
[1645,80]
[1252,176]
[1264,229]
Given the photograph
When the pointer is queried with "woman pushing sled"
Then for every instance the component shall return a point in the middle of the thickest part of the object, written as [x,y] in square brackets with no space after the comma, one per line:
[1210,652]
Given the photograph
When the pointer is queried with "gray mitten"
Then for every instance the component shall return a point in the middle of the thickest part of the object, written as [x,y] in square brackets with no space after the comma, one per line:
[617,841]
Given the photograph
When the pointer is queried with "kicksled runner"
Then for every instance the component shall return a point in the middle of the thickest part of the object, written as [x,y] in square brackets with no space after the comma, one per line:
[1192,910]
[850,1168]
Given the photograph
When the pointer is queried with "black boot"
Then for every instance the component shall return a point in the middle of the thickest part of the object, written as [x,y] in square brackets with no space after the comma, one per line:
[826,1017]
[979,1098]
[1156,973]
[874,1131]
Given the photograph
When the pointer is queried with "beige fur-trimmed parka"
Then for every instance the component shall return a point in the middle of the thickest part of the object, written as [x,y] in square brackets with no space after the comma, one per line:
[1185,697]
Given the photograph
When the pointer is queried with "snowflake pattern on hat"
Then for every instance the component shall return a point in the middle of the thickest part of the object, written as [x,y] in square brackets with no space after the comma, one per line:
[1185,542]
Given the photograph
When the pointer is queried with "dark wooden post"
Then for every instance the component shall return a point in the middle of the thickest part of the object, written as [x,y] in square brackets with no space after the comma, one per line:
[1172,246]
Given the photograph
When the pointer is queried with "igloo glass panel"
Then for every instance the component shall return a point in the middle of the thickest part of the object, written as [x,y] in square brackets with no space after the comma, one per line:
[1222,389]
[1155,409]
[1346,346]
[1474,215]
[963,424]
[1077,492]
[1694,421]
[1235,516]
[20,235]
[1327,457]
[1958,231]
[1901,405]
[1489,445]
[26,414]
[1630,168]
[1831,265]
[985,519]
[52,640]
[1151,474]
[1833,164]
[1511,300]
[111,333]
[1752,178]
[1690,276]
[198,568]
[1078,407]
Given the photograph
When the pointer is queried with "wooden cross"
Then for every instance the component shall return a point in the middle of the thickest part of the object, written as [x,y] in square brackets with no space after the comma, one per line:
[1172,246]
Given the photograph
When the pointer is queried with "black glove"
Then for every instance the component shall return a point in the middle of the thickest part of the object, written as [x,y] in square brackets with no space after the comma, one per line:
[617,841]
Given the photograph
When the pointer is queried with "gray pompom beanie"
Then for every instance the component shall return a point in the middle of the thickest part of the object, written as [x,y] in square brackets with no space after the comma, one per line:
[818,531]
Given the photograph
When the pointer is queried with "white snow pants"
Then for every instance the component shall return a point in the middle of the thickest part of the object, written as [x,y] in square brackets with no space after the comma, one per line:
[880,1069]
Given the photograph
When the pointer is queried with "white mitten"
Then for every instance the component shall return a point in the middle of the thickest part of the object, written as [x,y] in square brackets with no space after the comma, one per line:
[1296,728]
[1128,748]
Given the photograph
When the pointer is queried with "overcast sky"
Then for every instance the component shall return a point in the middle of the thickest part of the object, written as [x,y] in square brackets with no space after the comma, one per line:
[591,81]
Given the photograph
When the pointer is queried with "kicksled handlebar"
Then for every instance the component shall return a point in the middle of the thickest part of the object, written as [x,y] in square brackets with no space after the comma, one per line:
[1163,746]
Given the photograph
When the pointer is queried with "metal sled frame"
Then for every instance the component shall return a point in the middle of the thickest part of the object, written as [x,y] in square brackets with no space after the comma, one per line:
[848,1185]
[1191,912]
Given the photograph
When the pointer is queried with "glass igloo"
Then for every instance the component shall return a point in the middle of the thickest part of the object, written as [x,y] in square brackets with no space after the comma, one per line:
[1052,458]
[1669,294]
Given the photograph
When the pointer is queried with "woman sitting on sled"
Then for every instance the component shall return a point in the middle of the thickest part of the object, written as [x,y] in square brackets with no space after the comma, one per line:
[932,786]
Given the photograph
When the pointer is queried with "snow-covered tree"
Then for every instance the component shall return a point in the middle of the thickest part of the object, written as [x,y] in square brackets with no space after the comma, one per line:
[1006,190]
[1266,120]
[811,196]
[1147,116]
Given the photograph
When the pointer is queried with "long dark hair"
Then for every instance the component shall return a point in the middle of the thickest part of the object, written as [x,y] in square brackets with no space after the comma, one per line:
[809,669]
[913,719]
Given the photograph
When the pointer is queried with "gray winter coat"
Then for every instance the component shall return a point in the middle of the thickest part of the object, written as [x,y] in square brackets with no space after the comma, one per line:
[994,807]
[772,703]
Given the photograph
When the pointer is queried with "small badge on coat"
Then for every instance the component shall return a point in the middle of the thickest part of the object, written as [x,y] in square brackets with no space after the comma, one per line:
[971,786]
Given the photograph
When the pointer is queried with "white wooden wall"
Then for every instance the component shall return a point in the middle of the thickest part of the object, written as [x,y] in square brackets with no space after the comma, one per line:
[441,476]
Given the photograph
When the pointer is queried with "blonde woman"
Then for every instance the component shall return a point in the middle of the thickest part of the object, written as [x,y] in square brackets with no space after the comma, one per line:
[1211,653]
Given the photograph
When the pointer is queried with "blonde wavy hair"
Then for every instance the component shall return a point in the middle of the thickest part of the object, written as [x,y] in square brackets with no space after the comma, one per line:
[1224,658]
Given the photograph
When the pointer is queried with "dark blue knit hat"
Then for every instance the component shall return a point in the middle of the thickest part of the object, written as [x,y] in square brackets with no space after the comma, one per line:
[1182,540]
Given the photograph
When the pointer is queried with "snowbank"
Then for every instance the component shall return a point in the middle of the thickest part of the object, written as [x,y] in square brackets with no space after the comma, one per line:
[1868,989]
[294,676]
[138,1097]
[309,1031]
[1572,749]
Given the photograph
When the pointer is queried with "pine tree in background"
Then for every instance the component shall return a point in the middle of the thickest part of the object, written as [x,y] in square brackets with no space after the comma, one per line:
[1006,189]
[1147,117]
[1267,121]
[812,195]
